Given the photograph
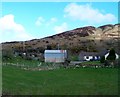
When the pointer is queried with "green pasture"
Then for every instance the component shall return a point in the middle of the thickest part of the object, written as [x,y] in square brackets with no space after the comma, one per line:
[92,62]
[79,81]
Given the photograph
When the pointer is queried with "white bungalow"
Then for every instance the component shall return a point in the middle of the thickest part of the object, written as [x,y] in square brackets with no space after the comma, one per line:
[88,56]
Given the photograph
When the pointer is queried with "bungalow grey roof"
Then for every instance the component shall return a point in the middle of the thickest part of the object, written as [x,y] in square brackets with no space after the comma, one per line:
[89,53]
[102,53]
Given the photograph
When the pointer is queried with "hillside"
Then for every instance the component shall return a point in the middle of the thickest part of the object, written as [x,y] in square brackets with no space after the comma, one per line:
[87,38]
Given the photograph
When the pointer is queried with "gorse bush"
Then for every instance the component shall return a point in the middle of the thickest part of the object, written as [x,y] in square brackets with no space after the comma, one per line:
[102,59]
[111,55]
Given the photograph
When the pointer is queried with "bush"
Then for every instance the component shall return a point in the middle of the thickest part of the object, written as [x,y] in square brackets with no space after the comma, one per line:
[111,55]
[7,54]
[102,59]
[117,62]
[74,58]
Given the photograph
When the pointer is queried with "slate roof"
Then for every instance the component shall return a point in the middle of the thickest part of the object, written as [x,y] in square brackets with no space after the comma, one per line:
[88,53]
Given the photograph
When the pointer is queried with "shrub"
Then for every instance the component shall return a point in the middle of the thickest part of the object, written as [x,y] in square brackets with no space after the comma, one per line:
[74,58]
[49,47]
[7,54]
[111,55]
[102,59]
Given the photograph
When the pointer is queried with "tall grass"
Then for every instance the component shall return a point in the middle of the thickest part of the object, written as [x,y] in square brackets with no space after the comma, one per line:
[30,64]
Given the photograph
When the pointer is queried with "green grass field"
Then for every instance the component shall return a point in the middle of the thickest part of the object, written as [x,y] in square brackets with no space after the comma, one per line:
[79,81]
[92,62]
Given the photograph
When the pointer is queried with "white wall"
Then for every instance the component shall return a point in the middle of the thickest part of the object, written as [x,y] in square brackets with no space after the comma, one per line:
[106,55]
[88,59]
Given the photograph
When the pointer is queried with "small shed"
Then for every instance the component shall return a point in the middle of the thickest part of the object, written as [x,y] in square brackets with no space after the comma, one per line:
[56,56]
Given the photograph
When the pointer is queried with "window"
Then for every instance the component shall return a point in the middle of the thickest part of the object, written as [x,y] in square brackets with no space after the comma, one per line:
[87,57]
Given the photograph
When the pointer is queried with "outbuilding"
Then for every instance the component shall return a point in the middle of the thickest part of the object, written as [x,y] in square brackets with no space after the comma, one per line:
[56,56]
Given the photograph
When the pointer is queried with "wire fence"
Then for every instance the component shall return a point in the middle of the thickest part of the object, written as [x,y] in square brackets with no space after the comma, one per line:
[40,66]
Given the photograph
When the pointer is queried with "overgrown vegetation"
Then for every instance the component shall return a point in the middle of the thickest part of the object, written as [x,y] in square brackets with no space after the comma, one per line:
[92,62]
[74,58]
[30,64]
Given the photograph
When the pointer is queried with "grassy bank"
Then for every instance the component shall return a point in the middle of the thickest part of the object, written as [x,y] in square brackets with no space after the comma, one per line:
[80,81]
